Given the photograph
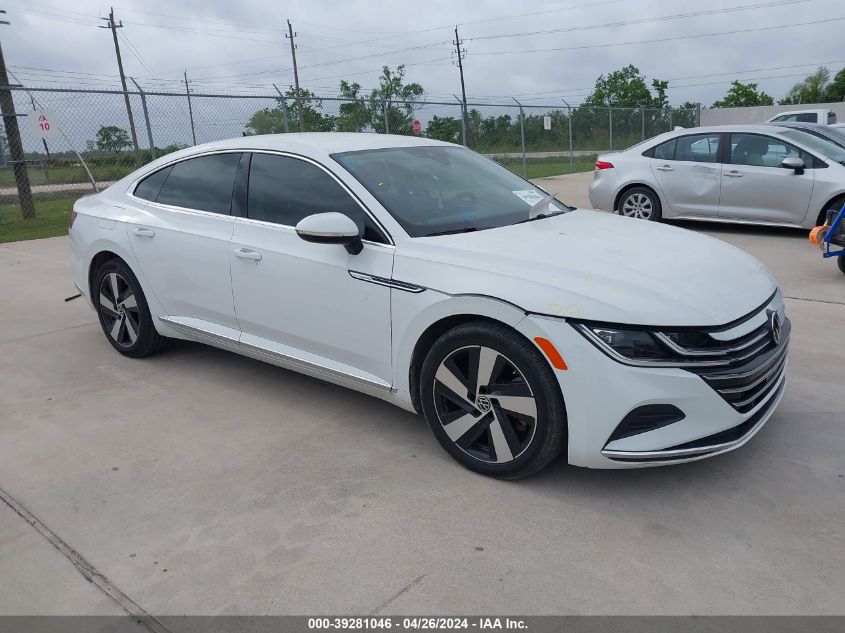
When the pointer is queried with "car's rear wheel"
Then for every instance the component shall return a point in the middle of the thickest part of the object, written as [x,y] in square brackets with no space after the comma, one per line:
[123,311]
[640,202]
[492,401]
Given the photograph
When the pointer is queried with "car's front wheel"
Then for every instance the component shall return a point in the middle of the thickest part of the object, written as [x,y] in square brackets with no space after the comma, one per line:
[492,401]
[123,311]
[642,203]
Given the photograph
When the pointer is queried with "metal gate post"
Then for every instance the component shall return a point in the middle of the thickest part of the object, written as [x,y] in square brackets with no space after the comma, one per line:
[146,119]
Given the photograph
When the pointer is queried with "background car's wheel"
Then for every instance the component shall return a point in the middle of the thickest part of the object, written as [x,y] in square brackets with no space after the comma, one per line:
[642,203]
[492,401]
[841,262]
[123,311]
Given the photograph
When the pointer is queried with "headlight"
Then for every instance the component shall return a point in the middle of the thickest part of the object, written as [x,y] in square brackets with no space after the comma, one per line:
[634,345]
[652,349]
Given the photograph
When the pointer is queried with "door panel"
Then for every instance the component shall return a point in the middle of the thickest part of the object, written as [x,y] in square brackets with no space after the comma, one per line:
[186,261]
[686,170]
[301,296]
[756,188]
[184,250]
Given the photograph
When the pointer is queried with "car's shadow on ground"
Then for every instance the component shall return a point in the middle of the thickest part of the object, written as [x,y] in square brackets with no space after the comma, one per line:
[397,430]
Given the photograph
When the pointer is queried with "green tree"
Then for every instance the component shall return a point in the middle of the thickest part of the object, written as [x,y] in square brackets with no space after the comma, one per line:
[445,128]
[741,95]
[271,120]
[627,88]
[111,138]
[836,89]
[397,98]
[811,89]
[355,114]
[266,121]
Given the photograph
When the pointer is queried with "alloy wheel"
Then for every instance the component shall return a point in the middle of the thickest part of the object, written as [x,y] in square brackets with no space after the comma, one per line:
[484,404]
[119,308]
[638,205]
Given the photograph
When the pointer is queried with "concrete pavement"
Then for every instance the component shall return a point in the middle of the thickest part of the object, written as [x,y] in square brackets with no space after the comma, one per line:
[201,482]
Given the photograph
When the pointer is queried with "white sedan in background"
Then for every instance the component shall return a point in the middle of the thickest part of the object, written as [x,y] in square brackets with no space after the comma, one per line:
[424,274]
[750,174]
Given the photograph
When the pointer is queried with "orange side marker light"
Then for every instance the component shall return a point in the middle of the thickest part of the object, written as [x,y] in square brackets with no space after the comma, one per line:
[551,353]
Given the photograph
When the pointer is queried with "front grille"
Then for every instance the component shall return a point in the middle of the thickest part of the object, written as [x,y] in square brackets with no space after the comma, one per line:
[749,368]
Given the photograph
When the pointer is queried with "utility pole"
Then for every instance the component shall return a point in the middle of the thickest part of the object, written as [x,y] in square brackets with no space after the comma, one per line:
[111,25]
[13,134]
[190,109]
[461,52]
[290,35]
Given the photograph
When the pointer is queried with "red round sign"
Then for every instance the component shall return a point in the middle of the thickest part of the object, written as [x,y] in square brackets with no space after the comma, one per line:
[417,126]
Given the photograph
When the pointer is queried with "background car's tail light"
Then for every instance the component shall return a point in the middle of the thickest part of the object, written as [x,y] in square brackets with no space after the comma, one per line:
[602,164]
[71,220]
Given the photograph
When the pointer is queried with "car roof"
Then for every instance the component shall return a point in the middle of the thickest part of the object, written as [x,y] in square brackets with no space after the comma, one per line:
[760,128]
[319,142]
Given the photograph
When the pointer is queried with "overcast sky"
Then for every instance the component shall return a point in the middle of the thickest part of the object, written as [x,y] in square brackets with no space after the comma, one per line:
[240,46]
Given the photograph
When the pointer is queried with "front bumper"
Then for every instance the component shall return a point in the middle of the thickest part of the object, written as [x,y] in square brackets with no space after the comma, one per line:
[599,392]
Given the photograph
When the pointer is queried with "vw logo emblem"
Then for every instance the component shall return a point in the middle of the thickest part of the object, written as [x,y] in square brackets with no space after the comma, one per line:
[483,404]
[775,325]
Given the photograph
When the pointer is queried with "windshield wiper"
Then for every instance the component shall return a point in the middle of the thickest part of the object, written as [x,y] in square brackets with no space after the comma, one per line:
[466,229]
[541,216]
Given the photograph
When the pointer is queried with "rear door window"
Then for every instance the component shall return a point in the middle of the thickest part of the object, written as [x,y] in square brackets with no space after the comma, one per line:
[666,151]
[150,186]
[699,148]
[204,183]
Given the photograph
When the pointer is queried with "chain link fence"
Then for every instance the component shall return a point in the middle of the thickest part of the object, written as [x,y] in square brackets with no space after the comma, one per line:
[89,143]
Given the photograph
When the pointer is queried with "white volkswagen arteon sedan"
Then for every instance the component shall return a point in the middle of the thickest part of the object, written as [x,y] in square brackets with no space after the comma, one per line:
[747,174]
[424,274]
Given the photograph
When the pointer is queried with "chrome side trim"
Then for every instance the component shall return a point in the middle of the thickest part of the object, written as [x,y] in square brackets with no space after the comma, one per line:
[292,362]
[214,338]
[384,281]
[681,453]
[303,366]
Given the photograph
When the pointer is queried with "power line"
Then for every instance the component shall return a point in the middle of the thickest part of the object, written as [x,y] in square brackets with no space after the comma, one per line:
[662,18]
[664,39]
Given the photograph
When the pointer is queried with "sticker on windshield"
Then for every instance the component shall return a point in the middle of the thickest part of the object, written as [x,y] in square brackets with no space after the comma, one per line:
[531,196]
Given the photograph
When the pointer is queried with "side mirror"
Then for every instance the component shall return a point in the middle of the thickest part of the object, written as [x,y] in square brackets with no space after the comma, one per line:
[330,228]
[792,162]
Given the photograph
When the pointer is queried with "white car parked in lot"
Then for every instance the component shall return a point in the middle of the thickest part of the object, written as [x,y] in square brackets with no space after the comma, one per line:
[424,274]
[822,116]
[750,174]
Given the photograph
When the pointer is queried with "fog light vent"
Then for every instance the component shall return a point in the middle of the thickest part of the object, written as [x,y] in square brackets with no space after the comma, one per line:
[647,418]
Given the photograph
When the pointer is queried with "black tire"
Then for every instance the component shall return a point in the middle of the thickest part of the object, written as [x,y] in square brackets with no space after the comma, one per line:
[640,202]
[499,440]
[840,261]
[123,311]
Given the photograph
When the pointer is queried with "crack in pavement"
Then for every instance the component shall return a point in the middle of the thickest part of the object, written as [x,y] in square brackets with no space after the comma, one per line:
[88,571]
[836,303]
[398,594]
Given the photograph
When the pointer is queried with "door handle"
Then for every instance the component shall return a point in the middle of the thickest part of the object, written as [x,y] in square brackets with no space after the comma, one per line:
[141,232]
[665,168]
[733,174]
[245,253]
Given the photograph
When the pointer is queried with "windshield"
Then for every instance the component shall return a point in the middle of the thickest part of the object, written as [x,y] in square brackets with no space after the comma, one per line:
[826,148]
[432,190]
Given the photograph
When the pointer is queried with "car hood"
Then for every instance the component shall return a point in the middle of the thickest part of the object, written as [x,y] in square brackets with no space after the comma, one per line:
[594,265]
